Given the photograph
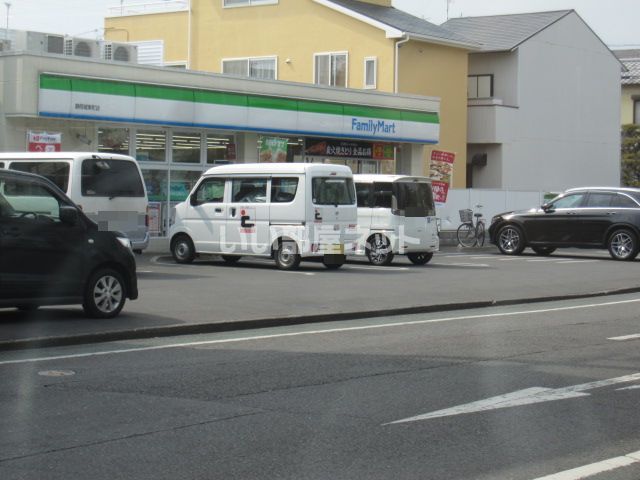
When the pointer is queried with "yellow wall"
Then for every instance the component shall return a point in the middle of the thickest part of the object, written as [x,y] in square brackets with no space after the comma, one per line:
[626,110]
[170,27]
[435,70]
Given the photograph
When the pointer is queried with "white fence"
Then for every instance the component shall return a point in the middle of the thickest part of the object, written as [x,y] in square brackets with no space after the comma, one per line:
[492,201]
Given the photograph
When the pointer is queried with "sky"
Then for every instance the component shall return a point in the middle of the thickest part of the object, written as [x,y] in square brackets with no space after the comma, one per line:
[615,21]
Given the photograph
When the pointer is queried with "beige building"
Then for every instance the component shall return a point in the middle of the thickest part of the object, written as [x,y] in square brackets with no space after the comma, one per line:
[352,44]
[630,102]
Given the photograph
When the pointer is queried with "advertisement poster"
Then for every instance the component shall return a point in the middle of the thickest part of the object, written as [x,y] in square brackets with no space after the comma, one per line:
[44,142]
[440,172]
[154,211]
[273,149]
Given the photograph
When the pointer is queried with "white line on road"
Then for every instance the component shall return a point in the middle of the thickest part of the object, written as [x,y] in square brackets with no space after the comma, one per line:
[625,337]
[480,265]
[373,267]
[595,468]
[578,261]
[632,387]
[320,332]
[543,260]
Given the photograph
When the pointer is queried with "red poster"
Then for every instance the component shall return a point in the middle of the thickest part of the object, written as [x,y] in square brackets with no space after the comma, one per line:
[440,172]
[44,142]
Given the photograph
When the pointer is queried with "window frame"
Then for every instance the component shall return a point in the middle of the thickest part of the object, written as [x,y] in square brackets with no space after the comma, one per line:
[344,53]
[251,3]
[374,85]
[249,60]
[636,111]
[477,77]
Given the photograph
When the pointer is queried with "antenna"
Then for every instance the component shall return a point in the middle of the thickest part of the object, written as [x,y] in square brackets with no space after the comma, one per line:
[449,2]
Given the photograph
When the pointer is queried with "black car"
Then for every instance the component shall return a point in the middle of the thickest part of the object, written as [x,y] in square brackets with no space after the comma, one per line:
[596,217]
[52,254]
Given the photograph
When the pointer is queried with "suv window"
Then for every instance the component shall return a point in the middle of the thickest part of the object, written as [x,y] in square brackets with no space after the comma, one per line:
[622,201]
[573,200]
[599,199]
[28,200]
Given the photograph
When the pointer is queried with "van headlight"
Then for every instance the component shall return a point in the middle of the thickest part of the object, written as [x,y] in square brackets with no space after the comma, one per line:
[125,242]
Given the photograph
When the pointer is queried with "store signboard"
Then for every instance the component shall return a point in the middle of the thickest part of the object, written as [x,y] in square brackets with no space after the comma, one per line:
[44,142]
[327,147]
[440,172]
[63,96]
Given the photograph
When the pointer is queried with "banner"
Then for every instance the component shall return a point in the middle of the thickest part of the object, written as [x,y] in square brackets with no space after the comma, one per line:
[273,149]
[440,172]
[328,147]
[44,142]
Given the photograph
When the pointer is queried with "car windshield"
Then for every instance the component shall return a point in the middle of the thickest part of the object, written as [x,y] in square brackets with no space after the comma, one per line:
[414,199]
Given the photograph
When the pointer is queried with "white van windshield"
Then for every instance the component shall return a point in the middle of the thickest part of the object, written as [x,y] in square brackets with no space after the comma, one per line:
[110,178]
[333,191]
[414,199]
[57,172]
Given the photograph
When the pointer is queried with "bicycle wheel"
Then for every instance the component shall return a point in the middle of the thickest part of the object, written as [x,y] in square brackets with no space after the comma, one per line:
[480,234]
[466,235]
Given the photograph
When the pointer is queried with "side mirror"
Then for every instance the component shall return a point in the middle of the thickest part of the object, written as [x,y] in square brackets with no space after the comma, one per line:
[547,207]
[69,215]
[193,200]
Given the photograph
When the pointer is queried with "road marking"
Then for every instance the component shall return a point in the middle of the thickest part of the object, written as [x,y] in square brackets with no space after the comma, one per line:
[578,261]
[625,337]
[543,260]
[527,396]
[512,259]
[319,332]
[309,274]
[595,468]
[632,387]
[373,267]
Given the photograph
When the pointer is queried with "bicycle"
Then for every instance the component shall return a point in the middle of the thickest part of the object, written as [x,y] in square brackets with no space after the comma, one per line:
[470,235]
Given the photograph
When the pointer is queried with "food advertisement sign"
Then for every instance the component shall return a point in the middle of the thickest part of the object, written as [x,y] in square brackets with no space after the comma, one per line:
[273,150]
[440,172]
[44,142]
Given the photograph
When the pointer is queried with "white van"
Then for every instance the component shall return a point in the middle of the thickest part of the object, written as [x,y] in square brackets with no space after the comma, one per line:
[287,211]
[396,215]
[109,188]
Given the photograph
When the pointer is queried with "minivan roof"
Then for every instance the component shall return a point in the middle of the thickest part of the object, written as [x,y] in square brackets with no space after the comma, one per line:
[377,177]
[60,155]
[277,168]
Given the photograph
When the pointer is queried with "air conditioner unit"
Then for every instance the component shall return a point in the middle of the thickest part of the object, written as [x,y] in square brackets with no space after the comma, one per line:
[81,47]
[54,44]
[5,45]
[120,52]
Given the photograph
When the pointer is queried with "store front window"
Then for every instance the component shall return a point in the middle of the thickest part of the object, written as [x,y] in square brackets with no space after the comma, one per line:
[151,145]
[185,147]
[220,149]
[113,140]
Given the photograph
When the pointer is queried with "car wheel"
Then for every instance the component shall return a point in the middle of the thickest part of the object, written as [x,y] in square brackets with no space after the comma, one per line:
[379,250]
[543,250]
[182,249]
[231,259]
[105,294]
[511,240]
[623,245]
[287,256]
[420,258]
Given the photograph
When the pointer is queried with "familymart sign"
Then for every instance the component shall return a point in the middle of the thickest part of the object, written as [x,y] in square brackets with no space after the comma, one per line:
[95,99]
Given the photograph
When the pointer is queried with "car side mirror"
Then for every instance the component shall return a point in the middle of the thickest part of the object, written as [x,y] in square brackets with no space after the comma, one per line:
[69,215]
[193,200]
[547,207]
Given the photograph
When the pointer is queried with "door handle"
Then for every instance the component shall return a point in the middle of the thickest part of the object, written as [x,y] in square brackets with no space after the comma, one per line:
[233,211]
[218,210]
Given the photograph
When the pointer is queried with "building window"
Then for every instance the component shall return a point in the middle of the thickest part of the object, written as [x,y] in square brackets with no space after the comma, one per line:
[113,140]
[151,145]
[636,112]
[262,68]
[330,69]
[370,72]
[247,3]
[480,86]
[185,147]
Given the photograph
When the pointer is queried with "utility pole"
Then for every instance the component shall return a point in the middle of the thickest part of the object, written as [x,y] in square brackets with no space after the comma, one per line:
[6,31]
[448,4]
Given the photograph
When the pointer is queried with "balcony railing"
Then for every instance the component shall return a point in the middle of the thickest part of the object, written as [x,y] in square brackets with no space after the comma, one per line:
[148,8]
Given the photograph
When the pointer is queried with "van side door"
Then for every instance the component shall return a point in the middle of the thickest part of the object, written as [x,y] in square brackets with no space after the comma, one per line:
[247,228]
[207,215]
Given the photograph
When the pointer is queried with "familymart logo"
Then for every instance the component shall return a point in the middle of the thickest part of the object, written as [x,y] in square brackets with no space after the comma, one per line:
[373,126]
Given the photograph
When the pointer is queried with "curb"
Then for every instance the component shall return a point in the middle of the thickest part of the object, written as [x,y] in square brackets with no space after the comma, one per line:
[270,322]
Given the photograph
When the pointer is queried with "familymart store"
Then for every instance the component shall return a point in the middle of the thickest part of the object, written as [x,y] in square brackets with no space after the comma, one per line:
[179,124]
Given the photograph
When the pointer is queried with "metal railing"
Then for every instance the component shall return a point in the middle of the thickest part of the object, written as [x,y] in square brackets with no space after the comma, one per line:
[147,8]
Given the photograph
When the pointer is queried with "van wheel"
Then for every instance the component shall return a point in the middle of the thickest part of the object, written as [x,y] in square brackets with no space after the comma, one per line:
[623,245]
[379,250]
[182,249]
[420,258]
[105,294]
[286,256]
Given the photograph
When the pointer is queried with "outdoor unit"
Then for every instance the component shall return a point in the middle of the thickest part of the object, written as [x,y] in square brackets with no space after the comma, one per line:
[5,45]
[81,47]
[120,52]
[55,44]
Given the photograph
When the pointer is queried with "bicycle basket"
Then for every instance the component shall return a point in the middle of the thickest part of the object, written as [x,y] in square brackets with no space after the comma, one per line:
[466,215]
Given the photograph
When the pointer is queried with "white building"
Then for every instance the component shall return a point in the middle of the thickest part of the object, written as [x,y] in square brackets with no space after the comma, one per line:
[544,103]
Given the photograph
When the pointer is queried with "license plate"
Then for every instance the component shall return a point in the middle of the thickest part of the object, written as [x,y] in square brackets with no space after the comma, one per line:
[335,248]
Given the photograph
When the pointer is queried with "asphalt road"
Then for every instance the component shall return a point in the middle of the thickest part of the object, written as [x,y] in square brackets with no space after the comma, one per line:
[519,392]
[210,292]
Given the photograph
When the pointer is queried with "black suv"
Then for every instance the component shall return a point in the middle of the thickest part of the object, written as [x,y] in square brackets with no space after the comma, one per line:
[52,254]
[596,217]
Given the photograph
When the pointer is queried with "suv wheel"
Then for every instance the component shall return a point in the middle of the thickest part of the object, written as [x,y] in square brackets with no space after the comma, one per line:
[623,245]
[511,240]
[104,294]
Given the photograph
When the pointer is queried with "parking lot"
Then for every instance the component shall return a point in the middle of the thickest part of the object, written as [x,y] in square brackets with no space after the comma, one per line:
[184,298]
